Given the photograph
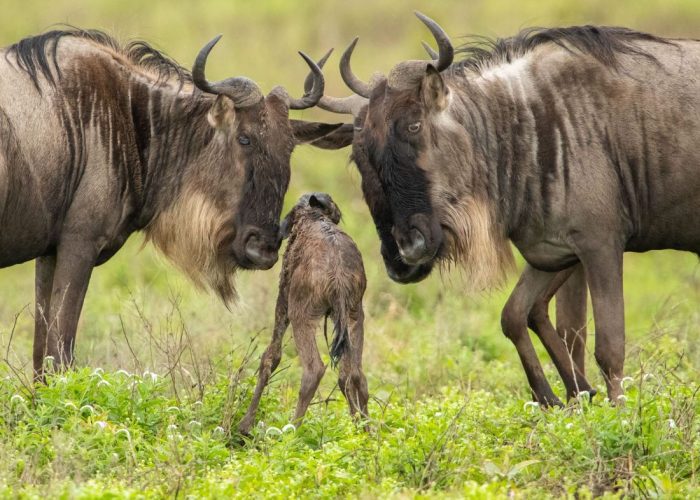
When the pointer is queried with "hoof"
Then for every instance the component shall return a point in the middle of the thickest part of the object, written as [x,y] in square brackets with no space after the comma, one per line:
[245,432]
[549,402]
[583,394]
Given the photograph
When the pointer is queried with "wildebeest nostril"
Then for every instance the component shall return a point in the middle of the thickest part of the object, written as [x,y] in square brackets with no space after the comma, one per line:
[413,248]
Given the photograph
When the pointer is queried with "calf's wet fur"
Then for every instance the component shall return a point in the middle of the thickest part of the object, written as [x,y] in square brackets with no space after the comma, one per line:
[322,276]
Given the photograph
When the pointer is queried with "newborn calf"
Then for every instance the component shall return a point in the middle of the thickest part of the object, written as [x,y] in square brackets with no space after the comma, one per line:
[322,275]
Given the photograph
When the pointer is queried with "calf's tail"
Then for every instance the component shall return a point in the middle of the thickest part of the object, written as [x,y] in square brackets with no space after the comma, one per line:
[339,344]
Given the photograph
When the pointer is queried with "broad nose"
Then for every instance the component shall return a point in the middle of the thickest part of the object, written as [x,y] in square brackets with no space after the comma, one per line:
[418,242]
[398,270]
[260,247]
[412,246]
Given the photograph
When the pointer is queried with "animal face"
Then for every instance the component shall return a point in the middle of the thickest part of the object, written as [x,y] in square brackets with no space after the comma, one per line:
[380,207]
[255,138]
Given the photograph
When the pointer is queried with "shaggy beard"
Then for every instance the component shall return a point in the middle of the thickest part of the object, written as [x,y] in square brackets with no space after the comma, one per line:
[474,242]
[193,234]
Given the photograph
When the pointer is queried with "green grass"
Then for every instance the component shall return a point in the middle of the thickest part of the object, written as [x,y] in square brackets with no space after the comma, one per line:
[449,412]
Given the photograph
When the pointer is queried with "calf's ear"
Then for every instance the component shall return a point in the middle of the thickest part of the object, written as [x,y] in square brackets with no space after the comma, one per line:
[222,112]
[316,202]
[433,89]
[310,131]
[339,138]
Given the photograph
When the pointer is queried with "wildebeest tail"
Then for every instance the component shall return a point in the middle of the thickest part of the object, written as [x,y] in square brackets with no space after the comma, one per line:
[339,343]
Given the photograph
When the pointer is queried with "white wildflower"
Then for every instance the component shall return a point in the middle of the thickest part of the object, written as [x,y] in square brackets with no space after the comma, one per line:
[273,430]
[624,380]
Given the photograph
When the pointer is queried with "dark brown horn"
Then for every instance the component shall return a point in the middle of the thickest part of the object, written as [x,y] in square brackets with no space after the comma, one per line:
[355,84]
[431,52]
[446,51]
[243,91]
[309,81]
[312,96]
[350,105]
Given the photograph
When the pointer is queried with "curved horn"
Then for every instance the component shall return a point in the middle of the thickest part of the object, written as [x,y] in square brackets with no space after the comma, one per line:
[309,81]
[431,52]
[350,105]
[313,95]
[355,84]
[446,51]
[243,91]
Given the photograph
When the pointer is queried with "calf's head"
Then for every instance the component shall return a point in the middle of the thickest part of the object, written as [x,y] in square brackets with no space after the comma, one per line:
[313,205]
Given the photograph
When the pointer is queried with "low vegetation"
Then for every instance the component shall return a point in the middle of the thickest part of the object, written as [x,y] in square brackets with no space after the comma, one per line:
[450,411]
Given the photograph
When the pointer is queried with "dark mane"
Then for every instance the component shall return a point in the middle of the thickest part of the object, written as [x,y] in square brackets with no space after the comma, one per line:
[601,42]
[34,53]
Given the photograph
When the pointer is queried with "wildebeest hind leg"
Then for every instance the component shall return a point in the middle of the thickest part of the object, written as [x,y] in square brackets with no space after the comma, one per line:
[268,363]
[514,321]
[74,262]
[311,363]
[572,319]
[44,271]
[603,266]
[539,321]
[351,379]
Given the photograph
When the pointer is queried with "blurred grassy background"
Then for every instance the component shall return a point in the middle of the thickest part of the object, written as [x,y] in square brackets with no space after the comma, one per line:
[420,336]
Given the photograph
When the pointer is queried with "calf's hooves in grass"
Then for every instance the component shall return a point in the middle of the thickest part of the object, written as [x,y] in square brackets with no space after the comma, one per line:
[244,430]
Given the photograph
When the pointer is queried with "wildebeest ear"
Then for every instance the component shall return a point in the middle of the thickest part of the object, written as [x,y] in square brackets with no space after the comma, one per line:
[311,131]
[337,139]
[222,112]
[433,89]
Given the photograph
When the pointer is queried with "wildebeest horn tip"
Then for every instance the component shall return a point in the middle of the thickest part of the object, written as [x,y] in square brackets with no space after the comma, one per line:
[355,84]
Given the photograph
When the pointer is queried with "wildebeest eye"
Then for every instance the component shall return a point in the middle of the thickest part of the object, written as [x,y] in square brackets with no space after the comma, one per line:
[414,127]
[244,140]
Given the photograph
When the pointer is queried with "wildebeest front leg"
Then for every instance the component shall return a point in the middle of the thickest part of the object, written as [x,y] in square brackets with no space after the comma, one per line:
[514,321]
[268,363]
[351,379]
[43,280]
[603,268]
[312,365]
[540,323]
[74,262]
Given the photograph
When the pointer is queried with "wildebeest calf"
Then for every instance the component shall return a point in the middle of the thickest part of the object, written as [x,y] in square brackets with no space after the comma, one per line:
[322,275]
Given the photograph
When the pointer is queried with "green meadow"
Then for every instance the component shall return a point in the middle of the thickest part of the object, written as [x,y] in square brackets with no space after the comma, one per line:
[164,371]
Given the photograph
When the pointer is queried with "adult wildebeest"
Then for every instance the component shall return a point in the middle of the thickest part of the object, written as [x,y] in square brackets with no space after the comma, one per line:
[98,141]
[571,295]
[575,144]
[322,275]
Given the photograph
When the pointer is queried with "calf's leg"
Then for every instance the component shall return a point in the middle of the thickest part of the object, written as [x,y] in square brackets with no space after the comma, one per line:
[268,363]
[311,363]
[351,379]
[43,283]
